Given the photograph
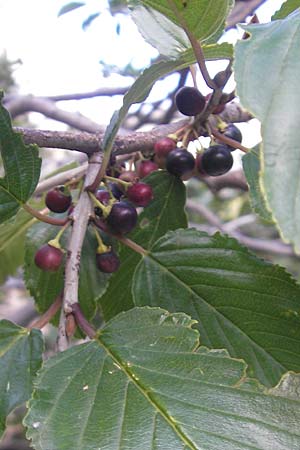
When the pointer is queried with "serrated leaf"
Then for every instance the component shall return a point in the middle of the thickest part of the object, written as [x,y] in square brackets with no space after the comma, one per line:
[287,8]
[12,235]
[46,286]
[20,358]
[68,7]
[144,385]
[161,23]
[251,166]
[165,212]
[21,165]
[267,69]
[241,303]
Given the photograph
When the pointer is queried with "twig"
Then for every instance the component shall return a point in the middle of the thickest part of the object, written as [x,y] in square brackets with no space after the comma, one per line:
[196,46]
[90,143]
[48,108]
[43,217]
[48,315]
[227,140]
[81,217]
[61,178]
[81,321]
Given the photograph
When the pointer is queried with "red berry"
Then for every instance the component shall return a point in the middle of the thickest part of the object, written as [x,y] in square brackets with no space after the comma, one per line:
[146,167]
[189,101]
[48,258]
[58,199]
[128,175]
[107,262]
[164,146]
[140,194]
[122,218]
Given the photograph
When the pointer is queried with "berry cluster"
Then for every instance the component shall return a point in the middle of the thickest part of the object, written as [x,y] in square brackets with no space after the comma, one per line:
[115,212]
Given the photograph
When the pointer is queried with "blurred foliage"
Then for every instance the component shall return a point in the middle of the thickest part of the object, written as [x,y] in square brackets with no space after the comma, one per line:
[7,82]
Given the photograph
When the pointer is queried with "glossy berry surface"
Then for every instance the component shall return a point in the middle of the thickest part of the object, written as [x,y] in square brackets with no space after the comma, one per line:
[122,218]
[217,160]
[146,167]
[116,191]
[48,258]
[164,146]
[179,162]
[140,194]
[103,196]
[233,133]
[189,101]
[58,199]
[107,262]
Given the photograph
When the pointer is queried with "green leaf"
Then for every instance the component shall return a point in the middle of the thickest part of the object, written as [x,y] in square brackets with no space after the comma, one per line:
[12,235]
[20,358]
[46,286]
[267,70]
[241,303]
[251,166]
[287,8]
[161,24]
[69,7]
[165,212]
[145,385]
[22,168]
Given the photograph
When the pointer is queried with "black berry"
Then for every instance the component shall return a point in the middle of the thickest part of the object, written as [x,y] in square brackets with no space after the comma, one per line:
[107,262]
[233,133]
[48,258]
[122,218]
[140,194]
[58,199]
[189,101]
[179,162]
[216,160]
[146,167]
[116,191]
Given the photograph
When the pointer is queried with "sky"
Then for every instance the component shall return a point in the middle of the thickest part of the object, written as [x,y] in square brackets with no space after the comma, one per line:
[59,57]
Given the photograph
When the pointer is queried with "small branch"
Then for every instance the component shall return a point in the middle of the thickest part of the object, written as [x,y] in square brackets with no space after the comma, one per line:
[234,179]
[81,321]
[90,143]
[126,241]
[43,218]
[227,140]
[81,217]
[61,178]
[48,315]
[196,46]
[25,104]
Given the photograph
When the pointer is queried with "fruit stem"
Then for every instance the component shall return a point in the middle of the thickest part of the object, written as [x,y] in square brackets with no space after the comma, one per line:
[195,46]
[43,217]
[102,248]
[126,241]
[81,321]
[228,141]
[55,242]
[48,315]
[126,184]
[105,209]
